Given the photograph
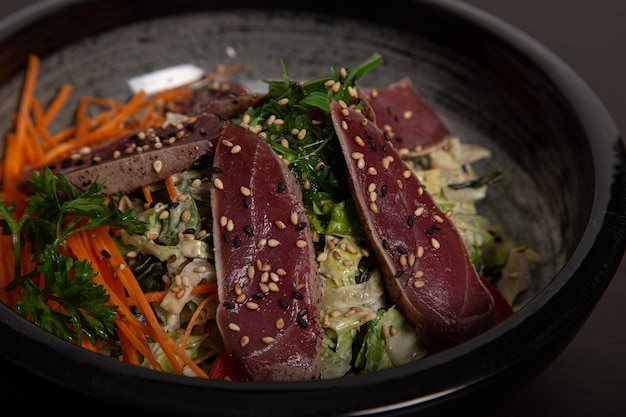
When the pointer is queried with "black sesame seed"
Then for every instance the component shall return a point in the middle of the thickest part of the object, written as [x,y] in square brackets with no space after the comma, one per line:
[410,221]
[402,250]
[437,227]
[303,312]
[399,138]
[190,231]
[298,295]
[248,230]
[302,322]
[384,190]
[430,231]
[172,204]
[226,238]
[217,170]
[281,187]
[283,303]
[259,295]
[368,134]
[229,305]
[385,147]
[301,225]
[106,254]
[386,135]
[399,273]
[237,242]
[385,244]
[247,201]
[372,144]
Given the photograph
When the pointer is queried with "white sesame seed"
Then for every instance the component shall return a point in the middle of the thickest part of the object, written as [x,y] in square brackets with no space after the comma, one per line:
[301,243]
[235,149]
[157,166]
[244,341]
[272,243]
[245,191]
[435,243]
[252,305]
[234,327]
[218,184]
[419,283]
[268,340]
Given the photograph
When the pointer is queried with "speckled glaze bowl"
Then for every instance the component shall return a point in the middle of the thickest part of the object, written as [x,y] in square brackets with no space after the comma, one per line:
[562,194]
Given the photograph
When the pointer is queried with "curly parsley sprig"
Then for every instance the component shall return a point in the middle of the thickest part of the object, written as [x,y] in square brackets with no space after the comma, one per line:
[55,211]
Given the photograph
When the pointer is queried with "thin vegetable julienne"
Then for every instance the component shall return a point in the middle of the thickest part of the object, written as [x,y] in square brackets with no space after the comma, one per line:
[103,241]
[32,144]
[133,330]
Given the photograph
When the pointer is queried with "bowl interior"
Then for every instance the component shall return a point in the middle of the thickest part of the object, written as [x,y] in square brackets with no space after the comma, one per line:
[488,92]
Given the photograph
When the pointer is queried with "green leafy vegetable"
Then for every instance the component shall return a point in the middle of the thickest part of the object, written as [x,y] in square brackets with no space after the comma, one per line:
[55,211]
[293,122]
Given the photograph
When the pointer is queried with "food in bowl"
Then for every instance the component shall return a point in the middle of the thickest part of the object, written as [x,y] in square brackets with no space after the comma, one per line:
[311,231]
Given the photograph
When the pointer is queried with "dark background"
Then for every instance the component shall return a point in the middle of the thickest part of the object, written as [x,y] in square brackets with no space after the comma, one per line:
[589,377]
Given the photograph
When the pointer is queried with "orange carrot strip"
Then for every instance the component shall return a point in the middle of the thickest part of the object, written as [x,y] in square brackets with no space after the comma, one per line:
[57,104]
[171,188]
[147,194]
[13,165]
[170,349]
[130,107]
[81,245]
[194,318]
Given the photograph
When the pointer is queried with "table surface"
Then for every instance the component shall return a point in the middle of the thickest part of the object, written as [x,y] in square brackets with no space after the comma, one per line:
[591,372]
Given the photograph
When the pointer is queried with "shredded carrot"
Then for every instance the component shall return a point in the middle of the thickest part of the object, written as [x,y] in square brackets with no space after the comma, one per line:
[194,318]
[147,195]
[170,349]
[36,142]
[57,104]
[171,188]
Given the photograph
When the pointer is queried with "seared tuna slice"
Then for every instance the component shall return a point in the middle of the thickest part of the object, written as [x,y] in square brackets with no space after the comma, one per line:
[268,282]
[227,99]
[412,126]
[428,272]
[135,159]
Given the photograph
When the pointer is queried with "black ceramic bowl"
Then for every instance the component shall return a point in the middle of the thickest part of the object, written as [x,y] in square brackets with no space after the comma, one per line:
[563,191]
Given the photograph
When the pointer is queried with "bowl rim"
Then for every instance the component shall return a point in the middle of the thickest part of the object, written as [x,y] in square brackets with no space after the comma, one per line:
[594,118]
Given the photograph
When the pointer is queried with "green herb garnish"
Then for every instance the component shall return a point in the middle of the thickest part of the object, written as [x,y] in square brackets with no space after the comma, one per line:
[293,121]
[55,211]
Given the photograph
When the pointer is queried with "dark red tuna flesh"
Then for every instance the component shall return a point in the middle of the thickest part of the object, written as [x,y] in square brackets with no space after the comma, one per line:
[412,125]
[227,99]
[428,272]
[268,282]
[135,159]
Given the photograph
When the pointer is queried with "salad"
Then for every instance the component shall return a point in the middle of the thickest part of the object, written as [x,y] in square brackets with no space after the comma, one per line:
[315,230]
